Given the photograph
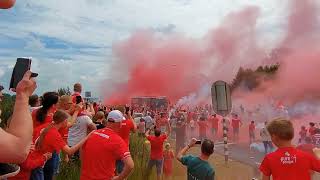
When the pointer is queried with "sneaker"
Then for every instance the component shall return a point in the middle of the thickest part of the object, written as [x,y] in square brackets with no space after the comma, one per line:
[8,170]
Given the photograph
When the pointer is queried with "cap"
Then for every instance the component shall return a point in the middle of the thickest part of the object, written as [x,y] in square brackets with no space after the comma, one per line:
[116,116]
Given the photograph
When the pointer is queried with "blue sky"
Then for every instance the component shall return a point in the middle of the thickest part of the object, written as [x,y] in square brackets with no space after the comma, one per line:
[71,40]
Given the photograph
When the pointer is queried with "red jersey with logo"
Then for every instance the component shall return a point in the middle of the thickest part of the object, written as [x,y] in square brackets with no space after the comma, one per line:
[99,154]
[157,146]
[289,163]
[126,127]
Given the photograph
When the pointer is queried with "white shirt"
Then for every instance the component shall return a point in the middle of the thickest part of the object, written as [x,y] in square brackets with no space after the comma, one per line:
[265,136]
[79,130]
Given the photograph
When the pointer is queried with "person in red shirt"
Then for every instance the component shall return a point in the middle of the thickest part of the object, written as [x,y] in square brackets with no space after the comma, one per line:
[214,125]
[252,135]
[77,89]
[287,162]
[168,157]
[44,114]
[202,128]
[156,156]
[312,129]
[103,148]
[50,141]
[127,126]
[236,123]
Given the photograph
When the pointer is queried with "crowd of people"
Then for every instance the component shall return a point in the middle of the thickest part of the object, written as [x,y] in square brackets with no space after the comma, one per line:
[46,130]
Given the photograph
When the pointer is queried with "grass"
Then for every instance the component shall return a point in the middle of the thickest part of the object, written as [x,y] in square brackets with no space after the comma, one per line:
[140,152]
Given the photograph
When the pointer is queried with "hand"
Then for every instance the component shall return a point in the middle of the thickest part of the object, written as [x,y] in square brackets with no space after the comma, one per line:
[48,155]
[316,152]
[193,142]
[26,86]
[116,178]
[78,107]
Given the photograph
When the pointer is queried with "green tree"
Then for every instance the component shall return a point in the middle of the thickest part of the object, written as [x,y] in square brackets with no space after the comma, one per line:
[64,91]
[251,79]
[6,107]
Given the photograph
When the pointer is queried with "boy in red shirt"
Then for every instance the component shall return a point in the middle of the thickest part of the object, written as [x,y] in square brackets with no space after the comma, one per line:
[49,141]
[287,162]
[156,156]
[252,135]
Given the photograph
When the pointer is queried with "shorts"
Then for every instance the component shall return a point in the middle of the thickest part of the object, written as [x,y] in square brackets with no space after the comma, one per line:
[158,164]
[37,174]
[119,166]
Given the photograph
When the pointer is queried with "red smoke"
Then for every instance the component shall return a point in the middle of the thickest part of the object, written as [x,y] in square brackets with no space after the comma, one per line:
[175,66]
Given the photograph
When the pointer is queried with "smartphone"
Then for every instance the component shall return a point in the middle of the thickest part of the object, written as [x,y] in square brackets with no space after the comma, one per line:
[78,99]
[21,67]
[198,142]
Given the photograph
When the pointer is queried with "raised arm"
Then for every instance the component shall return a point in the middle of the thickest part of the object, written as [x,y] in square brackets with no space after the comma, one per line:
[183,151]
[15,143]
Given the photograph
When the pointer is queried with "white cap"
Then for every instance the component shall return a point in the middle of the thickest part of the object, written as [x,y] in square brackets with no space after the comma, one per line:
[116,116]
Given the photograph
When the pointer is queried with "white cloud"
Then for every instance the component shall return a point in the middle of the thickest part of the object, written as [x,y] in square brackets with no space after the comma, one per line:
[99,23]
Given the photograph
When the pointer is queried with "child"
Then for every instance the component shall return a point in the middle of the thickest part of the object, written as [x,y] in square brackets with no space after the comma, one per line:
[287,162]
[303,134]
[168,162]
[252,129]
[142,127]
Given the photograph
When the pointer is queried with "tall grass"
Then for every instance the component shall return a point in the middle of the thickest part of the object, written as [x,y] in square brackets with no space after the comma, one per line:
[140,152]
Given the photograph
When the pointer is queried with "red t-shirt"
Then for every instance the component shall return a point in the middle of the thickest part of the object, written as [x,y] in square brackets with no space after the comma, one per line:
[236,123]
[99,154]
[64,133]
[289,163]
[202,127]
[214,122]
[126,127]
[312,131]
[52,142]
[157,146]
[74,95]
[252,127]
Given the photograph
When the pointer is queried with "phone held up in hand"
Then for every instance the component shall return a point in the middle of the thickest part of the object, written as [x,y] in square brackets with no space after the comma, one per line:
[21,67]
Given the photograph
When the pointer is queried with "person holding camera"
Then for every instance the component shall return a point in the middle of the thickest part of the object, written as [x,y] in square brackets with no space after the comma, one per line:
[198,166]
